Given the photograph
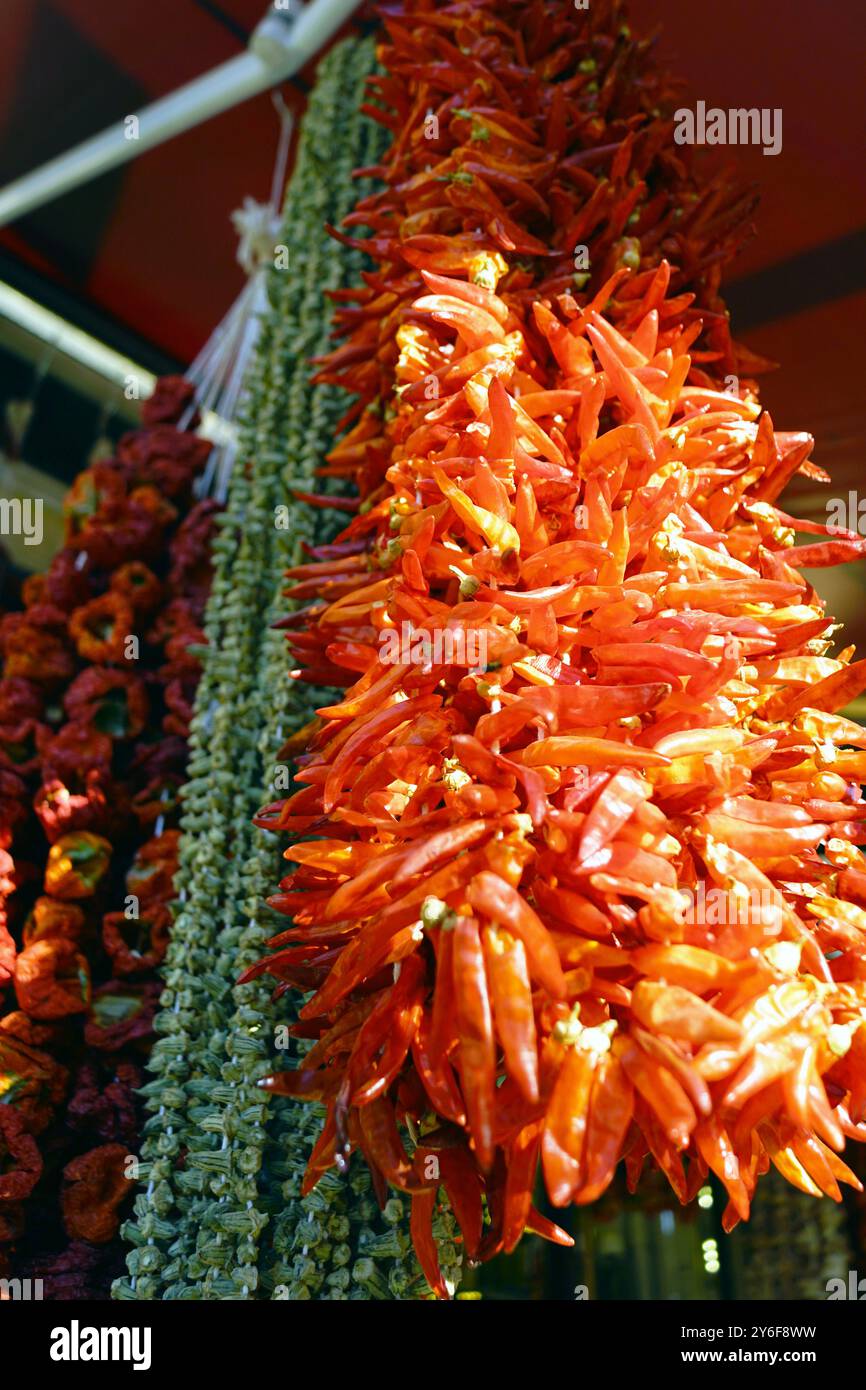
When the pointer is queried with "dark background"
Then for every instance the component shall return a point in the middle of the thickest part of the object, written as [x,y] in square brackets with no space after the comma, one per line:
[144,258]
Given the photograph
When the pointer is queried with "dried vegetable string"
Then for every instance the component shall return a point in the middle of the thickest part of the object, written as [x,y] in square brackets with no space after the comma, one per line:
[504,905]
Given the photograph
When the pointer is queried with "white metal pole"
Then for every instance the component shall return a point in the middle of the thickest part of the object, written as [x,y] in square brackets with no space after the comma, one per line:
[286,39]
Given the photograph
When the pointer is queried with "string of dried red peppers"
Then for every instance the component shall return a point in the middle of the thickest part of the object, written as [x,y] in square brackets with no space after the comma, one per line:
[93,745]
[504,906]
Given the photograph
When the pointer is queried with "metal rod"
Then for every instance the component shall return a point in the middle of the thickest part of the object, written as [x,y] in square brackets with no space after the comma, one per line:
[287,38]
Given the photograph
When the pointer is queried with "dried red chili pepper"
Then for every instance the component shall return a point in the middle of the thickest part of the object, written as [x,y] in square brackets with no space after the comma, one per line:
[512,1007]
[421,1230]
[464,1186]
[476,1059]
[499,901]
[383,1147]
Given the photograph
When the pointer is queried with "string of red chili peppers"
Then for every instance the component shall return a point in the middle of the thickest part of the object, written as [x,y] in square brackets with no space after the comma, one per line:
[500,899]
[99,673]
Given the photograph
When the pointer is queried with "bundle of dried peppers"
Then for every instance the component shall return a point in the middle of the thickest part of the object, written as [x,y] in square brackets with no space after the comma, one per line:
[99,670]
[594,894]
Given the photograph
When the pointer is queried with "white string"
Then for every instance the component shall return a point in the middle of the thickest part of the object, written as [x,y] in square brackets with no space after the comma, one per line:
[219,370]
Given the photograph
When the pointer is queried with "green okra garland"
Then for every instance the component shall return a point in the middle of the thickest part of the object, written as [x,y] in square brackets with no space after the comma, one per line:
[219,1216]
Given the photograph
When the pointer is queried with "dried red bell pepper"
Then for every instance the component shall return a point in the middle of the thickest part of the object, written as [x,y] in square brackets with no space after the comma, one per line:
[52,917]
[96,1185]
[77,864]
[20,1162]
[127,569]
[52,979]
[100,628]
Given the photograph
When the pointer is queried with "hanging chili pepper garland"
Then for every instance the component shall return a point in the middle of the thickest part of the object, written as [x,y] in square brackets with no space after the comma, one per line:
[504,914]
[94,789]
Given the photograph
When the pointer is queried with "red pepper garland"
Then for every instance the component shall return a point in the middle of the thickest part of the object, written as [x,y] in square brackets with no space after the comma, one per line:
[99,673]
[510,911]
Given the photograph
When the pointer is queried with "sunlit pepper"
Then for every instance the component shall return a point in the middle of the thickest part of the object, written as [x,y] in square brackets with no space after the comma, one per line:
[52,979]
[77,864]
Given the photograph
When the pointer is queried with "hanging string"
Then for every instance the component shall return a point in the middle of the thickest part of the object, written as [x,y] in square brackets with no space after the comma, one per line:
[219,371]
[287,122]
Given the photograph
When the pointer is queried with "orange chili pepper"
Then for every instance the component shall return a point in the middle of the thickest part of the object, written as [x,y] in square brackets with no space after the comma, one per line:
[508,974]
[610,1112]
[522,1163]
[421,1231]
[437,1076]
[503,905]
[476,1059]
[463,1184]
[562,1143]
[661,1091]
